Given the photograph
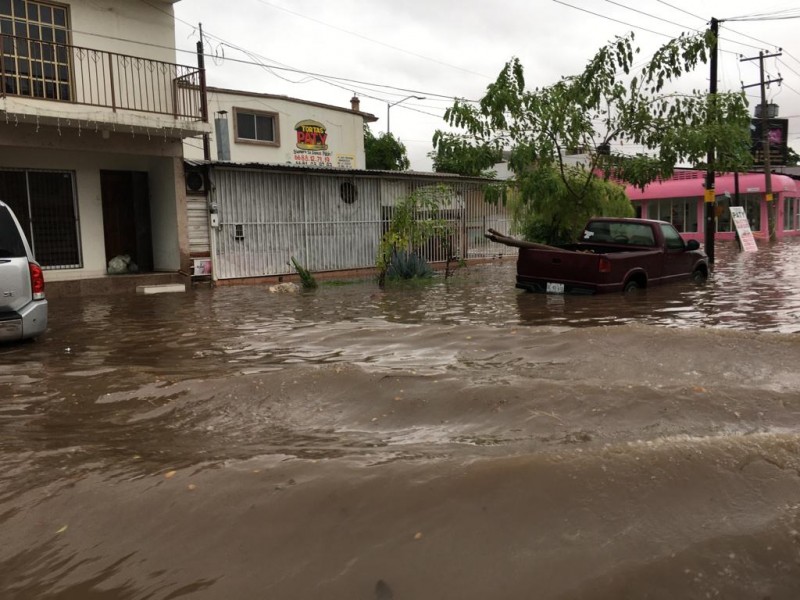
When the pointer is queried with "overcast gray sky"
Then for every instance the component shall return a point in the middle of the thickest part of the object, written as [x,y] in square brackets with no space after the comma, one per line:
[443,49]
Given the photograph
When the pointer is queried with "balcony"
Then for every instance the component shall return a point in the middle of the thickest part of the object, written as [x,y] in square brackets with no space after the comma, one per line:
[137,91]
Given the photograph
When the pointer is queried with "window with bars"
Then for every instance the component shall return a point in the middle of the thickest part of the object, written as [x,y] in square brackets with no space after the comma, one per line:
[36,57]
[44,203]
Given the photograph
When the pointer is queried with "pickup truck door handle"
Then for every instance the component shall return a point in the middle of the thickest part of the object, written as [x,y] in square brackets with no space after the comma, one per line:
[557,261]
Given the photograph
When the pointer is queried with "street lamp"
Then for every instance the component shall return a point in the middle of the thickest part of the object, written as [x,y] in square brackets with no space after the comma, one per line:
[391,104]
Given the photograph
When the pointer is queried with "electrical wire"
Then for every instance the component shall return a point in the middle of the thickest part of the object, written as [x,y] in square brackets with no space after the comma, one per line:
[750,37]
[652,16]
[641,12]
[253,62]
[611,19]
[782,15]
[363,37]
[666,35]
[683,11]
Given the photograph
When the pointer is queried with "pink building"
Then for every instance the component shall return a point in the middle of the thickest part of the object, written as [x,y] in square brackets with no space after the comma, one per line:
[679,200]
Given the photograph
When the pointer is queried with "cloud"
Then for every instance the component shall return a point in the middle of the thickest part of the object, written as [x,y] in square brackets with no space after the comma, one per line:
[457,48]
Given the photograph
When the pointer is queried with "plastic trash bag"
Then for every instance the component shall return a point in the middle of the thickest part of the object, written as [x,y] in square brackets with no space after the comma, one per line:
[119,264]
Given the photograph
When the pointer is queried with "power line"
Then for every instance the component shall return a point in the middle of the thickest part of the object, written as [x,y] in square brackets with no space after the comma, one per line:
[170,14]
[399,91]
[641,12]
[790,88]
[610,19]
[789,13]
[632,25]
[788,67]
[363,37]
[683,11]
[755,39]
[652,16]
[256,60]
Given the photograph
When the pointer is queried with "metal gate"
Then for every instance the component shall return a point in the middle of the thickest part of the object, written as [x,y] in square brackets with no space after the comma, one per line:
[334,222]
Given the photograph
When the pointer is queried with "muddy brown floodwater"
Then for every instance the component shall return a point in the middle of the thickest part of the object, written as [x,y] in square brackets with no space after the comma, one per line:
[453,440]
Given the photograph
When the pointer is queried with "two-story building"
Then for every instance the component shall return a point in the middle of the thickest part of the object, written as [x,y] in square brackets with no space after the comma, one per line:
[272,129]
[254,130]
[94,110]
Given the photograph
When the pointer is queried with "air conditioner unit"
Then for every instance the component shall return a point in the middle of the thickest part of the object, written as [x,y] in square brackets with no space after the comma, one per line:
[195,182]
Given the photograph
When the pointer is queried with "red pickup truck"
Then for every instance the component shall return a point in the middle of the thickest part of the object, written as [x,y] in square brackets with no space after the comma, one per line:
[612,255]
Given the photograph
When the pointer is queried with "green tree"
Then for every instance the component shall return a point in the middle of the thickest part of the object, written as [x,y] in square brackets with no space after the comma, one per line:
[792,158]
[471,161]
[539,211]
[415,221]
[611,103]
[384,152]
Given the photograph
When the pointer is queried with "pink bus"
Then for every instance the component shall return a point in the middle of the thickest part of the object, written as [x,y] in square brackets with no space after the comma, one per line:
[679,200]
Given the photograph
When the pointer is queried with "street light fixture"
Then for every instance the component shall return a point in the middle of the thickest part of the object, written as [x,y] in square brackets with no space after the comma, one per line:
[391,104]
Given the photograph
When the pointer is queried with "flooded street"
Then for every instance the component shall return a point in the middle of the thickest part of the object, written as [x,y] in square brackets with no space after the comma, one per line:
[457,439]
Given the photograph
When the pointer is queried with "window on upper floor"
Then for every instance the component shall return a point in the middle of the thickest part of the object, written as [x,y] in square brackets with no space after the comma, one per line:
[36,57]
[256,127]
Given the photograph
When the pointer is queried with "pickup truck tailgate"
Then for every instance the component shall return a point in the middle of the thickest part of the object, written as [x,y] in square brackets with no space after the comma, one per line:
[559,272]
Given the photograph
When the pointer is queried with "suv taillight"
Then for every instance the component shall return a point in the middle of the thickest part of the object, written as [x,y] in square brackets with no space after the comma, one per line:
[604,265]
[37,281]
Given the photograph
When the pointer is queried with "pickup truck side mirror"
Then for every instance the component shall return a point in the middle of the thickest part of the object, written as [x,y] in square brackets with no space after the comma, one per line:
[693,245]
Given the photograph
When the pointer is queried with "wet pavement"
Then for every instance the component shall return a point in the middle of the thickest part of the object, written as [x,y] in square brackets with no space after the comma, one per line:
[455,439]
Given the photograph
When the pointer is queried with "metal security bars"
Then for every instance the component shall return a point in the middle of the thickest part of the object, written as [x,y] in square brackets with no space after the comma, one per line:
[46,206]
[331,222]
[55,71]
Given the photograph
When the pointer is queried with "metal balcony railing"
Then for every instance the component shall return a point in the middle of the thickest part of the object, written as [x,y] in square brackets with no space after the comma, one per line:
[35,69]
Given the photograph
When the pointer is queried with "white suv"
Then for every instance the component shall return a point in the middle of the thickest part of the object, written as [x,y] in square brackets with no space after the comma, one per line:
[23,308]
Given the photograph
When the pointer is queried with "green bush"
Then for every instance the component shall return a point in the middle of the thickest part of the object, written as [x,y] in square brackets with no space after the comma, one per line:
[408,265]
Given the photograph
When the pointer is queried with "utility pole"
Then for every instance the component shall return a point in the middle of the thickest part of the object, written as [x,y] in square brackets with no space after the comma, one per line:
[710,194]
[201,64]
[772,208]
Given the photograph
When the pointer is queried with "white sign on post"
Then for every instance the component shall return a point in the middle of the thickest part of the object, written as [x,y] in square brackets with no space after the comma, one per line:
[743,229]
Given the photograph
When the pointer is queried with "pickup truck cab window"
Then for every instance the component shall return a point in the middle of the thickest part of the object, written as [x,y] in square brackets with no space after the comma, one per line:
[672,238]
[634,234]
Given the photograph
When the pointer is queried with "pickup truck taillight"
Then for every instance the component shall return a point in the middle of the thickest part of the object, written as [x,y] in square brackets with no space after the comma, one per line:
[604,265]
[37,281]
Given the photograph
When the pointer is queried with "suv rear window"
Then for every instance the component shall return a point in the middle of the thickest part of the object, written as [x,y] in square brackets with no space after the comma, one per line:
[11,245]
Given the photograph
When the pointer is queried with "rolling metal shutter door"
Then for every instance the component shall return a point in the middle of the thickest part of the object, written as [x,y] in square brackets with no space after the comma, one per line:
[197,212]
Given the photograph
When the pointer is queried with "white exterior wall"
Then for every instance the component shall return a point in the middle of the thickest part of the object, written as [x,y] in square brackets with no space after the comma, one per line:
[165,176]
[84,139]
[127,20]
[86,159]
[345,130]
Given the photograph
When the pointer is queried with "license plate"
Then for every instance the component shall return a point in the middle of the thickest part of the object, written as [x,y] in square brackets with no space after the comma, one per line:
[555,288]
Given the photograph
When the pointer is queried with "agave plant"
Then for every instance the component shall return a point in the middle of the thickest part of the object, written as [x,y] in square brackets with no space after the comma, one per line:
[306,278]
[408,265]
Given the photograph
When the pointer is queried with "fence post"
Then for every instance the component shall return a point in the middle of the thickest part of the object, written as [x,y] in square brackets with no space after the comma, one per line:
[111,82]
[2,68]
